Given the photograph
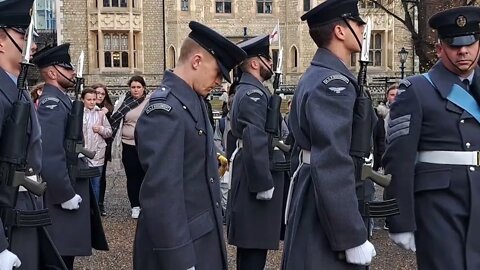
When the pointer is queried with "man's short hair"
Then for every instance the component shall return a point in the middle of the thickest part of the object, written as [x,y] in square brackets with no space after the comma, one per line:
[322,35]
[245,65]
[189,48]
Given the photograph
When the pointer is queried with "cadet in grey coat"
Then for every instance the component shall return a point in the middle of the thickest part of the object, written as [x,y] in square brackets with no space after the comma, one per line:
[323,218]
[433,150]
[74,225]
[255,206]
[180,225]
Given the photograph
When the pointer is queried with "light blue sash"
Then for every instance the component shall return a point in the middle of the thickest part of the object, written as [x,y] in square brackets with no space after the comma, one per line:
[462,99]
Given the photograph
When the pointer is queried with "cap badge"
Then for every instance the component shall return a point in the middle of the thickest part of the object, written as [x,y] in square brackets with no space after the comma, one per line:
[461,21]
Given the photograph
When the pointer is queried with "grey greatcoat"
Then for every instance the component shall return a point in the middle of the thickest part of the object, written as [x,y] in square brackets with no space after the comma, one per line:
[323,218]
[25,241]
[71,230]
[254,223]
[180,224]
[439,202]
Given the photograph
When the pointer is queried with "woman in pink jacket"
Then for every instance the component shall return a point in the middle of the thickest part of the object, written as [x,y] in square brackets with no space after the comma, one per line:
[96,129]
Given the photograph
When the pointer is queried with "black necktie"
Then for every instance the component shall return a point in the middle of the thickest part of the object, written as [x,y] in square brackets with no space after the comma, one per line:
[466,82]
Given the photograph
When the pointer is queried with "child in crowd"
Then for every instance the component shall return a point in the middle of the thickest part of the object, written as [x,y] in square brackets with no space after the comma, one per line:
[96,129]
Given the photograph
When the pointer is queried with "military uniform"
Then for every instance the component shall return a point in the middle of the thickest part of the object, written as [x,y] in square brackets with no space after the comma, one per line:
[323,214]
[74,232]
[254,223]
[429,133]
[26,239]
[180,224]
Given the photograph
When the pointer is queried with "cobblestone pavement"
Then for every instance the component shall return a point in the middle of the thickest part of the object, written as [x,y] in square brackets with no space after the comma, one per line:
[120,230]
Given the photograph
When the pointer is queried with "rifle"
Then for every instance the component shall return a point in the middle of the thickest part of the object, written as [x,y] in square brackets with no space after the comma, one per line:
[363,120]
[13,155]
[74,133]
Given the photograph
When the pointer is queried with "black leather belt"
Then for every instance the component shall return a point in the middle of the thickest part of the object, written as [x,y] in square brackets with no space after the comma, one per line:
[26,218]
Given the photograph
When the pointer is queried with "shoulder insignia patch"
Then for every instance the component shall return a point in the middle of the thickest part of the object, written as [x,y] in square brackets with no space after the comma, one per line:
[255,99]
[336,77]
[405,82]
[254,91]
[158,106]
[51,107]
[337,90]
[54,99]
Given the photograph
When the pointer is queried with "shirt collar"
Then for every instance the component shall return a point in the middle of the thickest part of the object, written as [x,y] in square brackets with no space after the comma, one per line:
[469,78]
[13,77]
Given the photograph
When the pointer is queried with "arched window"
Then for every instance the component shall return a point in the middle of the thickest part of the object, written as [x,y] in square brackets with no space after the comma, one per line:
[171,57]
[293,58]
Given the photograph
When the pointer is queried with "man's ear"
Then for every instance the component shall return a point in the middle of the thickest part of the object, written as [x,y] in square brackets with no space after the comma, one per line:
[255,64]
[52,74]
[438,48]
[339,32]
[196,60]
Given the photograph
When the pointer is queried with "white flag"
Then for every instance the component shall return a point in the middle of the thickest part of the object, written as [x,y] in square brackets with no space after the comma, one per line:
[275,34]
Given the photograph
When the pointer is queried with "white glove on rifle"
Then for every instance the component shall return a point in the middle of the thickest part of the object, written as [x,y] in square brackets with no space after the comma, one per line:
[8,260]
[404,240]
[362,254]
[191,268]
[265,195]
[73,203]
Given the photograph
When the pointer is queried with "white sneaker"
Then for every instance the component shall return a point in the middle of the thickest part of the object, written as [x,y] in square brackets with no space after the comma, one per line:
[135,212]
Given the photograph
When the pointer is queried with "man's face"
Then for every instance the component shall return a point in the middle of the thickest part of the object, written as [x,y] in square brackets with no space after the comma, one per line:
[350,41]
[68,73]
[265,72]
[90,100]
[8,48]
[208,76]
[460,60]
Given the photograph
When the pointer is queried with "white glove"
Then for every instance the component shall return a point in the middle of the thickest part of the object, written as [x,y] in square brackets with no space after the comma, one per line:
[8,260]
[362,254]
[191,268]
[73,203]
[265,195]
[405,240]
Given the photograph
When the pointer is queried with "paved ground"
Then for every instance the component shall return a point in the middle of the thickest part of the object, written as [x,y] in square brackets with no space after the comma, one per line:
[120,230]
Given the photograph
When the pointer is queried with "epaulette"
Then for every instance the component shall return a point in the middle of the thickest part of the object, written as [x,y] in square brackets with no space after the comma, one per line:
[162,92]
[336,77]
[405,83]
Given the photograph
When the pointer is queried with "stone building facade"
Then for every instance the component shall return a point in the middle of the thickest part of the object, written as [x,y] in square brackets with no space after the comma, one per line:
[126,37]
[120,38]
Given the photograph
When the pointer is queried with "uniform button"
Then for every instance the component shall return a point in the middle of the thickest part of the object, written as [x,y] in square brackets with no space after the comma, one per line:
[200,132]
[163,88]
[30,170]
[472,169]
[467,145]
[462,121]
[217,204]
[184,107]
[211,180]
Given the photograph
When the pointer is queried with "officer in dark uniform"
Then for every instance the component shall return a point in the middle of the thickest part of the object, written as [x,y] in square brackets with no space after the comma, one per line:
[24,236]
[68,200]
[433,148]
[255,205]
[180,226]
[323,217]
